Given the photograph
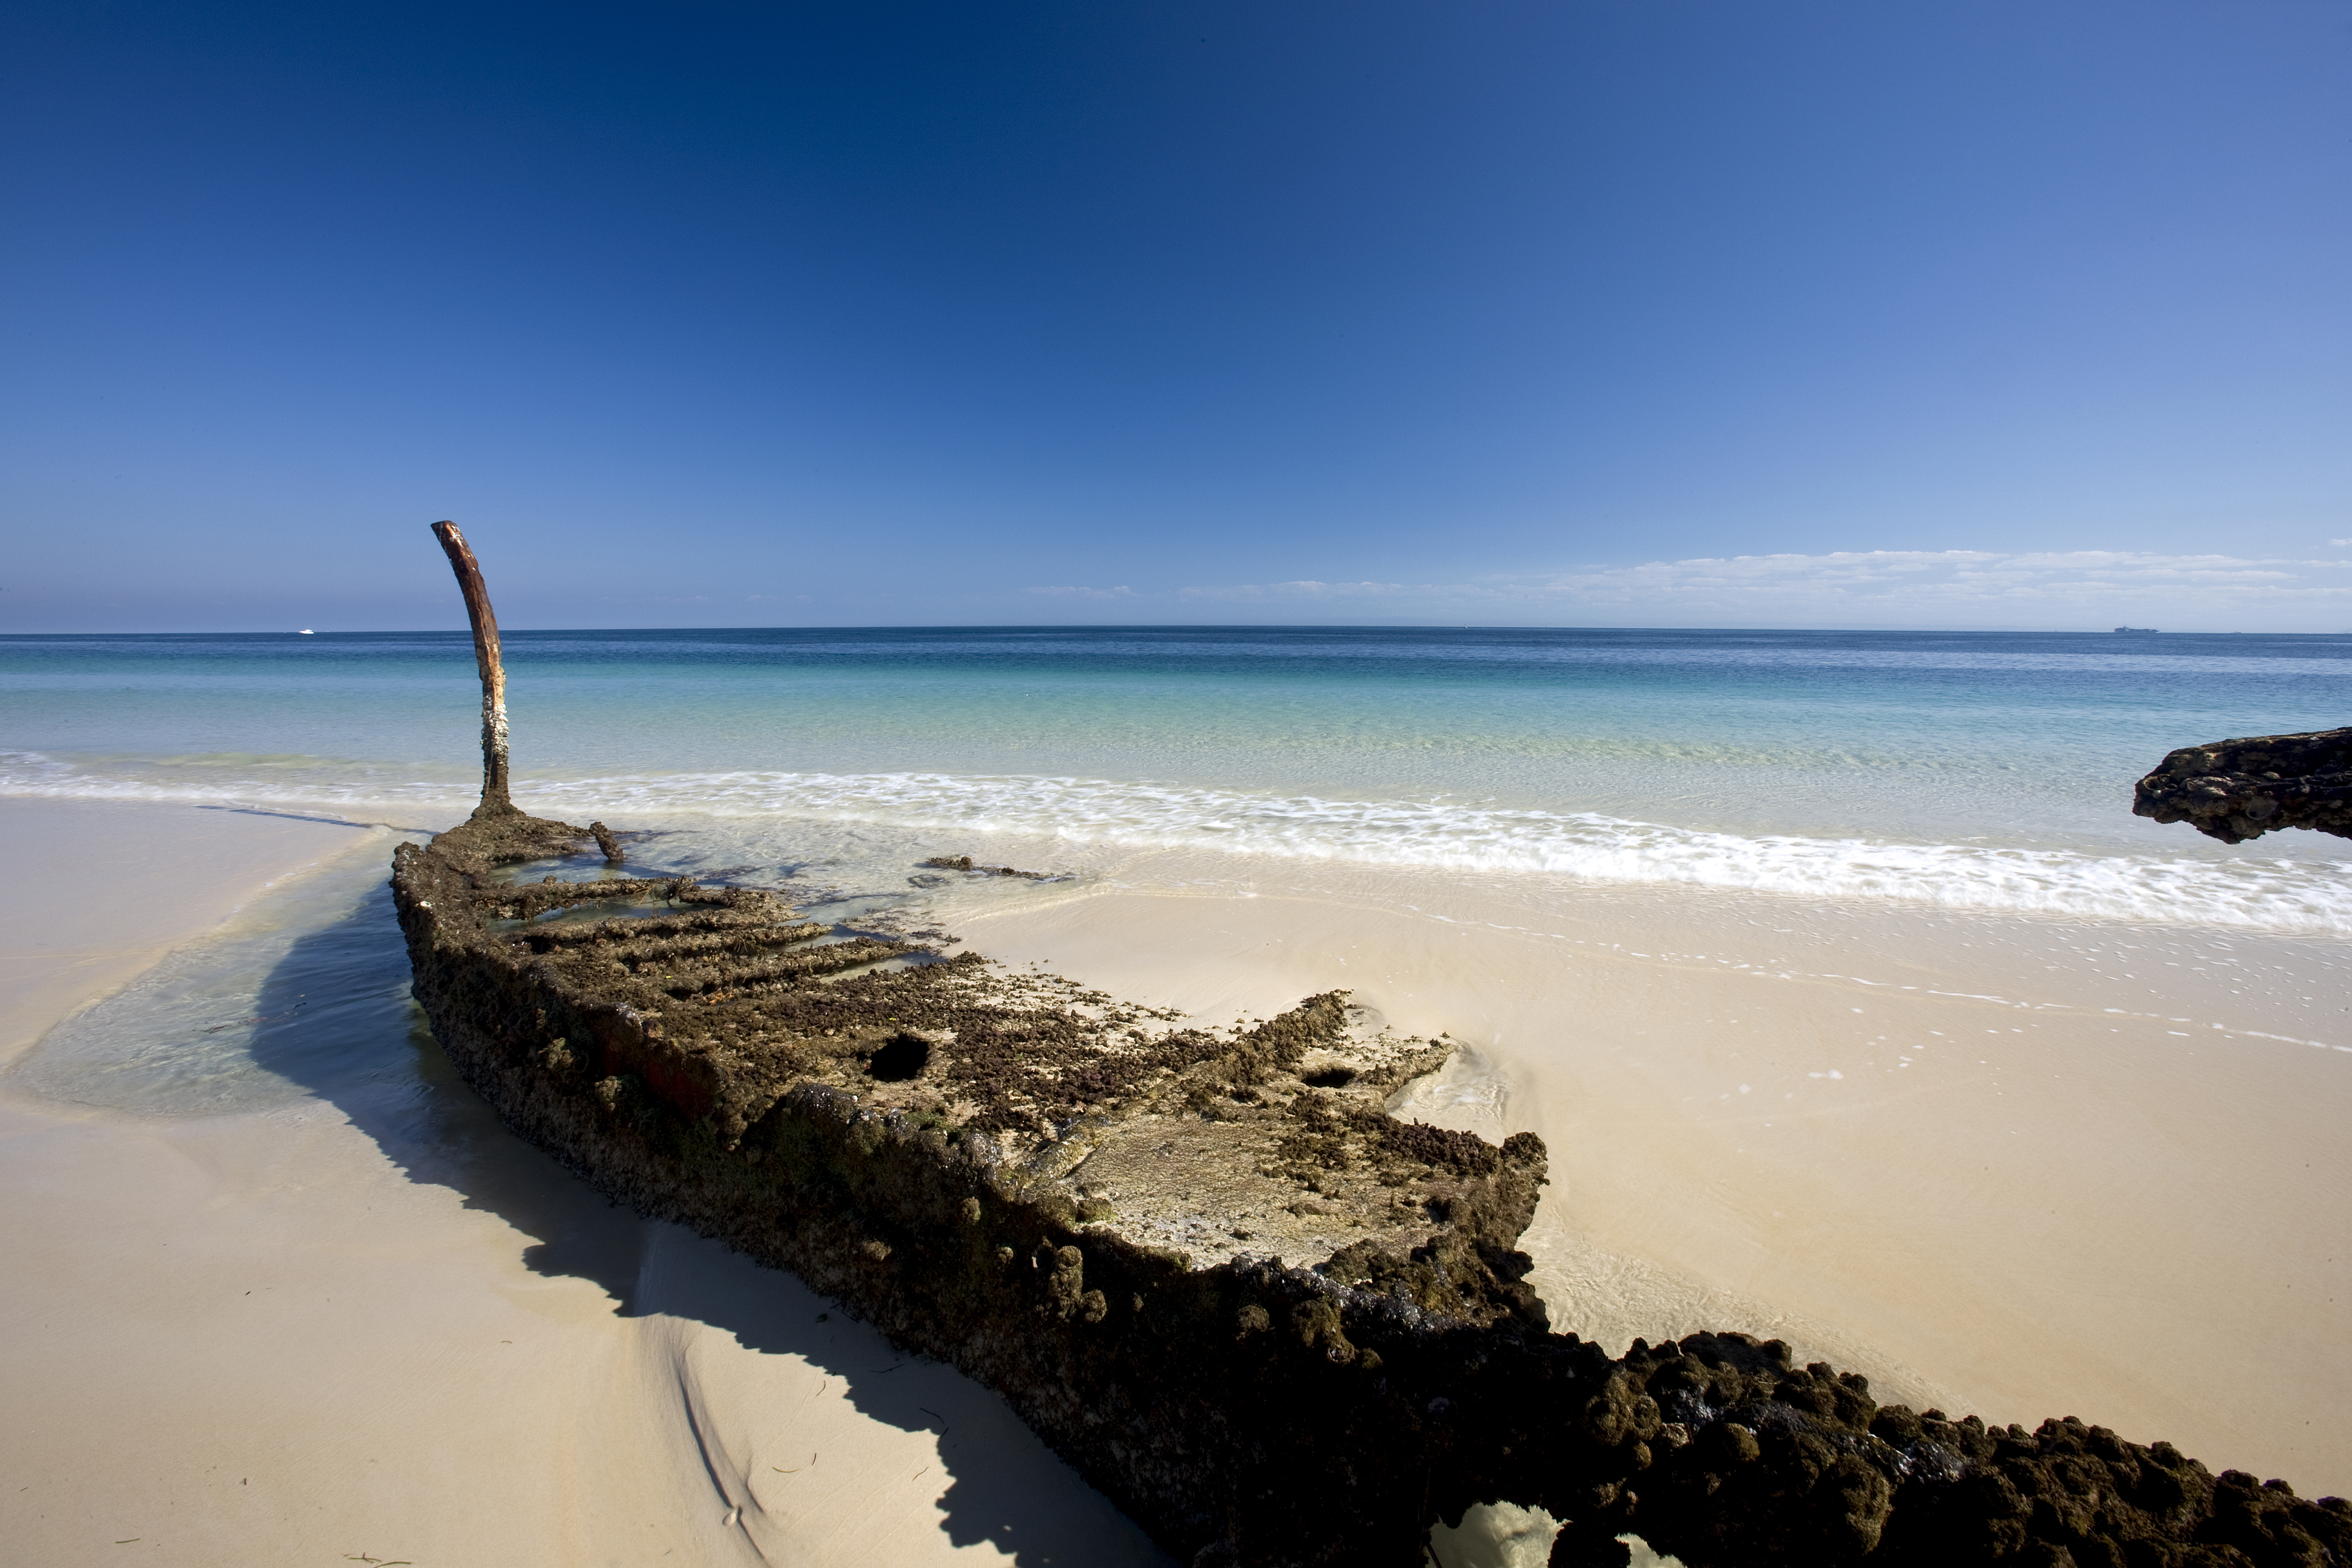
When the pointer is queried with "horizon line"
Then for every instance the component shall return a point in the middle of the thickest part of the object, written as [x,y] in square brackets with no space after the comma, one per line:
[461,630]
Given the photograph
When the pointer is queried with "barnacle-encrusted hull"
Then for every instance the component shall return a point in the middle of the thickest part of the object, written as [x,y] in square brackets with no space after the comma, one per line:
[2242,789]
[1273,1323]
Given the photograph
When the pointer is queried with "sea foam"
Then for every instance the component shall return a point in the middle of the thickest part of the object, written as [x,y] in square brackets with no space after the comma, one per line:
[2308,895]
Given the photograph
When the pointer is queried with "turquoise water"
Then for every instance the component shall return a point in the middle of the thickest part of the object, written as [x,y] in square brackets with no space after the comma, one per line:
[1981,770]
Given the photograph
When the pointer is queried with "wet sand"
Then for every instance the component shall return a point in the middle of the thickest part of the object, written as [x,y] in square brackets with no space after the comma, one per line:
[138,880]
[376,1325]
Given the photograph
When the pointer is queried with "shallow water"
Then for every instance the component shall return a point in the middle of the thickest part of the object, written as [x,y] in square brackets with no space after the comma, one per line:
[303,993]
[1983,771]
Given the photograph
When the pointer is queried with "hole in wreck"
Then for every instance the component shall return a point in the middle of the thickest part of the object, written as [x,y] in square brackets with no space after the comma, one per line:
[900,1059]
[1329,1078]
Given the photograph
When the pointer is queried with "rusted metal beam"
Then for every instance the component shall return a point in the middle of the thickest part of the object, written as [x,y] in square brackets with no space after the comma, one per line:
[496,801]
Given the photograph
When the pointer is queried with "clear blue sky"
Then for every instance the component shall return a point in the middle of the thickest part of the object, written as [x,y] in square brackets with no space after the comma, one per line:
[1944,312]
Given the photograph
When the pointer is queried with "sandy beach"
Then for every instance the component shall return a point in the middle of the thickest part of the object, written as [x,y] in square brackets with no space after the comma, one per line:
[328,1330]
[2017,1166]
[1068,597]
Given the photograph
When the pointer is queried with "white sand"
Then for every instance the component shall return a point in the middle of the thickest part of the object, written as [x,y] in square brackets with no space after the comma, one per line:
[258,1339]
[2103,1185]
[451,1353]
[247,1339]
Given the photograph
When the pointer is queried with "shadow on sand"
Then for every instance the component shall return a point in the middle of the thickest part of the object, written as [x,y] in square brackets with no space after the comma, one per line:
[334,1017]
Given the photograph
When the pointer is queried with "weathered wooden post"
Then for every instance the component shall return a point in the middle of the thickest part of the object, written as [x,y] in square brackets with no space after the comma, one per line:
[496,801]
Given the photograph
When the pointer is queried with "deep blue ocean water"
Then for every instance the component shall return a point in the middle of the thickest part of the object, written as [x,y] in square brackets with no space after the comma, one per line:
[1977,769]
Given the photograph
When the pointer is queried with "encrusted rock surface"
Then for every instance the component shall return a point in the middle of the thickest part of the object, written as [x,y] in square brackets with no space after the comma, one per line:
[1274,1323]
[2237,790]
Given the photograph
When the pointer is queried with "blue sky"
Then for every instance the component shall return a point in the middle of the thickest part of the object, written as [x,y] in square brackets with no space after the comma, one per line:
[1681,313]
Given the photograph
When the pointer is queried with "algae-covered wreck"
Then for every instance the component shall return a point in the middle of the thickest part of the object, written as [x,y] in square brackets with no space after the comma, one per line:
[1273,1323]
[2240,789]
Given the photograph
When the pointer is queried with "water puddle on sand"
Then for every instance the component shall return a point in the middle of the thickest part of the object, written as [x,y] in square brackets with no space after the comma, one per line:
[305,992]
[296,994]
[1470,1092]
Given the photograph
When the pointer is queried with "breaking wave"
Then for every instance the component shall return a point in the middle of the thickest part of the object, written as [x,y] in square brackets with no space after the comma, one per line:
[2308,895]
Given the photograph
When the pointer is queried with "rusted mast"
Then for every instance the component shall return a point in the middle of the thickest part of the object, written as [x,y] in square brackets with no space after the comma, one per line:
[496,801]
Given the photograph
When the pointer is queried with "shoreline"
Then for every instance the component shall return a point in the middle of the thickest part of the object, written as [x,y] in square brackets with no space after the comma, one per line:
[144,880]
[2081,1196]
[374,1322]
[1596,1017]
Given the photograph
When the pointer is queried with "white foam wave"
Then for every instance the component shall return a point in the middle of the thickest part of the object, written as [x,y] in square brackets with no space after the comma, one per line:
[364,791]
[2312,896]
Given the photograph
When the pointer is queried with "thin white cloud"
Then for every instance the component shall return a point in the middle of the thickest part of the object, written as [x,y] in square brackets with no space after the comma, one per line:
[1888,587]
[1077,592]
[1308,589]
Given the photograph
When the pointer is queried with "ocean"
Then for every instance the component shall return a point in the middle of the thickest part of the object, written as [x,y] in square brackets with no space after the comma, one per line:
[1984,771]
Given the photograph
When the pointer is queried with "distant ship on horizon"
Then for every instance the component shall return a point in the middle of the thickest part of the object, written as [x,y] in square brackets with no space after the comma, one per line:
[2136,629]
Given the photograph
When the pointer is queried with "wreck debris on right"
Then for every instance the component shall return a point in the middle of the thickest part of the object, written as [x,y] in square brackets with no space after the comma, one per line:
[2238,790]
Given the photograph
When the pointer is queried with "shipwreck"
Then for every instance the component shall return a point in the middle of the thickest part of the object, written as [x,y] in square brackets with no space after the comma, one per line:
[1273,1323]
[2242,789]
